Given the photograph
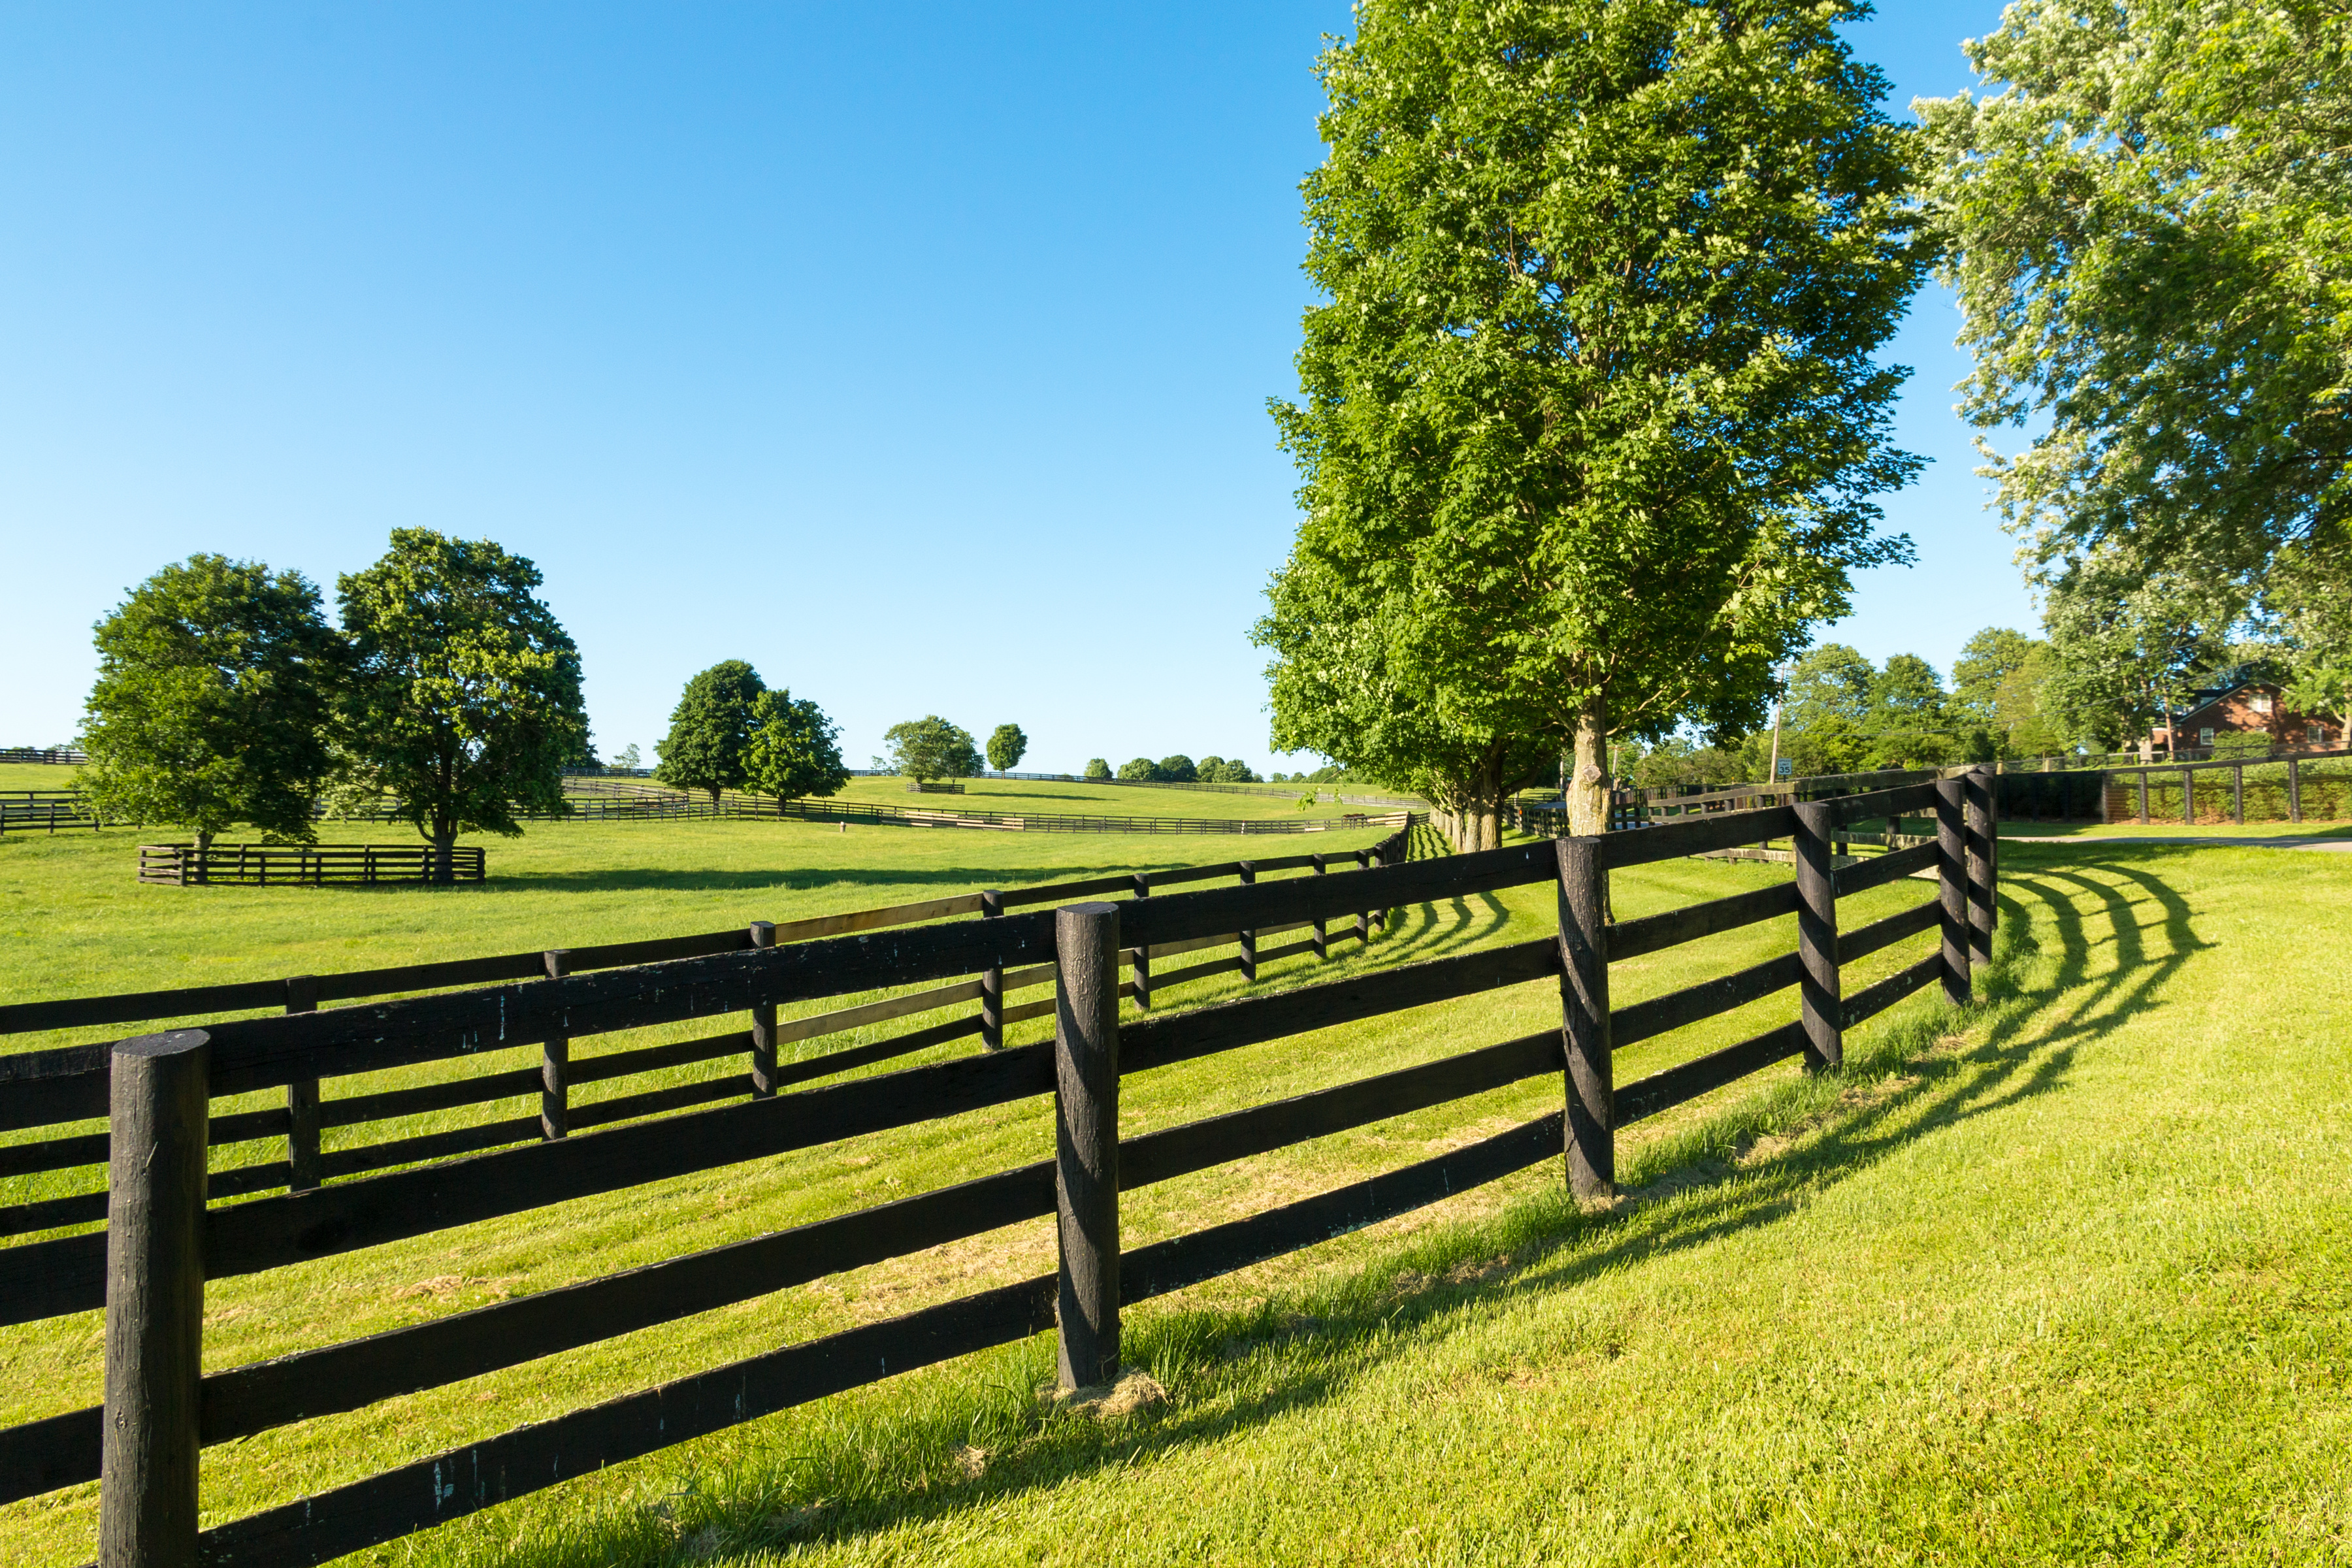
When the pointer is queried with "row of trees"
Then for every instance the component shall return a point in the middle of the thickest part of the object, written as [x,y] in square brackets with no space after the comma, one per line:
[730,730]
[1177,769]
[1589,419]
[449,691]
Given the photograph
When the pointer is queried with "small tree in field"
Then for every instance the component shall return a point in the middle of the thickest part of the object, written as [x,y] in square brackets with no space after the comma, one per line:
[1096,768]
[709,730]
[626,758]
[931,748]
[1178,769]
[794,751]
[213,697]
[463,702]
[1139,770]
[1006,747]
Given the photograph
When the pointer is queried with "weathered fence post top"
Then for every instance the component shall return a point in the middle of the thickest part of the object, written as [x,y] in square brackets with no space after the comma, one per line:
[159,1099]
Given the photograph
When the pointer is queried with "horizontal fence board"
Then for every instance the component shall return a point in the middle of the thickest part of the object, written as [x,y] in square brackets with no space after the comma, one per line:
[1168,1037]
[360,1109]
[263,1053]
[60,1450]
[49,1213]
[1013,898]
[1909,800]
[1653,933]
[1664,1090]
[1880,869]
[1219,1140]
[1647,1020]
[1863,940]
[657,1101]
[429,1146]
[1695,836]
[857,921]
[448,1486]
[851,1056]
[41,1089]
[1221,910]
[1871,1000]
[1166,978]
[1172,1265]
[131,1007]
[54,1154]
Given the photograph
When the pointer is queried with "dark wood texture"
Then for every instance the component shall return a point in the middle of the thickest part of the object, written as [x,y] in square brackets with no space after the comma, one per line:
[1981,869]
[1695,836]
[1184,1260]
[764,1022]
[302,1098]
[1863,940]
[992,982]
[154,1302]
[1583,895]
[555,1064]
[1664,1090]
[1952,885]
[1655,934]
[1871,1000]
[1647,1020]
[1247,938]
[1881,869]
[1086,1143]
[1909,800]
[1322,927]
[1219,911]
[1817,947]
[1148,1043]
[1139,958]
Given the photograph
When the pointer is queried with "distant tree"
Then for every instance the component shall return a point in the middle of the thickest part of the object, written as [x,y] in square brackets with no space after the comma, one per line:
[931,748]
[794,751]
[2306,589]
[1139,770]
[1210,770]
[1096,768]
[1178,769]
[1825,714]
[627,757]
[1907,723]
[1006,747]
[2126,645]
[1681,759]
[711,728]
[215,691]
[463,702]
[1997,685]
[1227,770]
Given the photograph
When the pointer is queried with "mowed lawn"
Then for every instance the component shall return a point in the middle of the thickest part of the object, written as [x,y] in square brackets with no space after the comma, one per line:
[2060,1279]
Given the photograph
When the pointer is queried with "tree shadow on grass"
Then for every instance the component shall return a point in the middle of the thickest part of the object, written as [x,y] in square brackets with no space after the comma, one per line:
[1236,1369]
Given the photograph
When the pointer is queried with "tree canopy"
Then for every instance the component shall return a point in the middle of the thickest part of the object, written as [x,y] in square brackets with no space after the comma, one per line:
[1006,746]
[214,696]
[1096,768]
[793,750]
[931,748]
[2149,232]
[1589,424]
[711,729]
[464,701]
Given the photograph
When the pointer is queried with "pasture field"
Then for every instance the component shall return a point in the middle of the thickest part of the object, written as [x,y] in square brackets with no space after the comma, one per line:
[2062,1278]
[1082,799]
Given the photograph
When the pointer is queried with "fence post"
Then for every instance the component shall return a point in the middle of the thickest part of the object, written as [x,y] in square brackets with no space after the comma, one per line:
[2188,798]
[2293,792]
[157,1110]
[764,1025]
[1248,938]
[1584,1016]
[992,982]
[555,1060]
[1142,953]
[1981,869]
[2237,794]
[1952,883]
[1819,992]
[1322,932]
[1086,1141]
[302,1100]
[1363,916]
[2143,797]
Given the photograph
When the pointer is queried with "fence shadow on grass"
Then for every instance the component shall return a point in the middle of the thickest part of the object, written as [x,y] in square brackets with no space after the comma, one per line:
[889,1460]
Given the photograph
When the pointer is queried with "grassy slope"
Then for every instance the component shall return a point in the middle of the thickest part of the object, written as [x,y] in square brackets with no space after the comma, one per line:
[53,1366]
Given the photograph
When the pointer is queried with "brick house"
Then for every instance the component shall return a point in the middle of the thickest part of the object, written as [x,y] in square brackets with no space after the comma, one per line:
[2242,701]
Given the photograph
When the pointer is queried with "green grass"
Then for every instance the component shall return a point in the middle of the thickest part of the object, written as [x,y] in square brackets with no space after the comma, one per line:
[2062,1280]
[2020,828]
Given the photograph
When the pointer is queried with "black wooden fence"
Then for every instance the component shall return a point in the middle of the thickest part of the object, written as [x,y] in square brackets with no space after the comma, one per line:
[55,1087]
[259,865]
[149,1268]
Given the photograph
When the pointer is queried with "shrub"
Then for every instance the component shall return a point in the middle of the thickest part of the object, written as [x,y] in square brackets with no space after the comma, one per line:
[1141,770]
[1178,769]
[1096,768]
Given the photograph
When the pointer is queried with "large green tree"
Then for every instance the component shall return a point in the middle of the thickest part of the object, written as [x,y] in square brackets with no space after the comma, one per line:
[463,704]
[2127,646]
[931,748]
[794,751]
[711,729]
[1590,421]
[2307,591]
[2149,232]
[1996,688]
[214,696]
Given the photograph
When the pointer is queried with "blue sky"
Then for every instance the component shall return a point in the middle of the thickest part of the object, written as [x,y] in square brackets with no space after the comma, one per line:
[918,354]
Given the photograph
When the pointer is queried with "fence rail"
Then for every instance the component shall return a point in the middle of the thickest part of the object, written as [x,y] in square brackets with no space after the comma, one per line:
[145,1442]
[49,1088]
[257,864]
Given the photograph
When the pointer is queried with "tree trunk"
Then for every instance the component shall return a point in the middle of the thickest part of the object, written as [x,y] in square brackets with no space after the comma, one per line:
[445,843]
[204,855]
[1588,793]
